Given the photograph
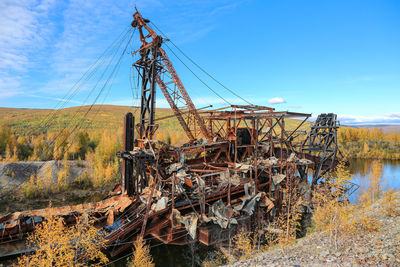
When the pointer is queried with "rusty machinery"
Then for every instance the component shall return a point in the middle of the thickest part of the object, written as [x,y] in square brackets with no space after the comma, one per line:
[229,174]
[236,158]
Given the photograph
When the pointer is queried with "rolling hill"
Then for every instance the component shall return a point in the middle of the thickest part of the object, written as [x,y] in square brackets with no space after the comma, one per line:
[25,121]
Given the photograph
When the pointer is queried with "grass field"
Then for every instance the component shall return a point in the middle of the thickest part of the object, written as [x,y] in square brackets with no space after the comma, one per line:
[99,117]
[107,117]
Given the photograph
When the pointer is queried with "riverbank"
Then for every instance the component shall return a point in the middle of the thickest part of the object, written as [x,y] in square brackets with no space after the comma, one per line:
[381,247]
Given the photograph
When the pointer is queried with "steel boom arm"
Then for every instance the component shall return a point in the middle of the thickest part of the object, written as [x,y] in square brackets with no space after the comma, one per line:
[177,97]
[183,94]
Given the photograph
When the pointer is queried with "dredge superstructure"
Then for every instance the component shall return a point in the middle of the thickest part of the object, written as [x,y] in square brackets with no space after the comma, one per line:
[228,176]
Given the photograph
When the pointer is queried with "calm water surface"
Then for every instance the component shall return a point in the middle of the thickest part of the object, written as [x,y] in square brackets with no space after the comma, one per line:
[361,170]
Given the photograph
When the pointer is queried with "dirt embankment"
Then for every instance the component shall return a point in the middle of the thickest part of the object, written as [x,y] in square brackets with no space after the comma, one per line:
[380,248]
[16,173]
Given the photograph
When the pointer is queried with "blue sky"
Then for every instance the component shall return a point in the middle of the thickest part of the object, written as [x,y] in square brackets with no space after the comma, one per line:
[305,56]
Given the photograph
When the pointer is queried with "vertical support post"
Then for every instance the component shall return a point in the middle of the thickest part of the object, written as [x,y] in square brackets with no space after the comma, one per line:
[127,165]
[149,202]
[229,189]
[256,154]
[149,69]
[236,141]
[281,145]
[170,236]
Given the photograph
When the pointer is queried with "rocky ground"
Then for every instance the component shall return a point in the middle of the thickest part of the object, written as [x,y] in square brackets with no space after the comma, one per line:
[14,174]
[380,248]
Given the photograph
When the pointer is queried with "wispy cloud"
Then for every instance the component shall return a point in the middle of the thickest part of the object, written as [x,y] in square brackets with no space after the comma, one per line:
[276,100]
[55,98]
[88,27]
[369,78]
[390,118]
[24,28]
[196,18]
[296,107]
[225,7]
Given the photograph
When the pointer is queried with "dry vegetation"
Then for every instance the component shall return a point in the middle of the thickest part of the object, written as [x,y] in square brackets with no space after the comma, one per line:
[55,244]
[369,143]
[141,254]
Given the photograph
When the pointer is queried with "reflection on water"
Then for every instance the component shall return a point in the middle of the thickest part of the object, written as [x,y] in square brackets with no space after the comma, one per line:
[361,170]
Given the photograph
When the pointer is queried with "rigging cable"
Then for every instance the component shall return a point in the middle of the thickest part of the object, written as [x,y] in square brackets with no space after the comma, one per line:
[109,88]
[198,66]
[90,71]
[90,93]
[212,90]
[90,108]
[102,89]
[113,55]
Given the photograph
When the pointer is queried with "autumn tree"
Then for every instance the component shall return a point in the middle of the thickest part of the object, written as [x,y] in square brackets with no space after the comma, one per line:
[63,174]
[55,244]
[334,215]
[5,133]
[375,188]
[141,255]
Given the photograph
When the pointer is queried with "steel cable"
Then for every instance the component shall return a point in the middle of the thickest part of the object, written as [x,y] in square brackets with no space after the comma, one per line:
[83,117]
[198,66]
[90,71]
[212,90]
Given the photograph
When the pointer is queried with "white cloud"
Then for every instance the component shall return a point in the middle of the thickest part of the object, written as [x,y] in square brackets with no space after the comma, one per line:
[24,28]
[276,100]
[390,118]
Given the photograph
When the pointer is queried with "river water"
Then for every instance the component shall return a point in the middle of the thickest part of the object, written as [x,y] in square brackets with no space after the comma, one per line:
[361,171]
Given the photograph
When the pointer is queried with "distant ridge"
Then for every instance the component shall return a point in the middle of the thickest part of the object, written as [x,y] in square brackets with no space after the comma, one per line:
[384,127]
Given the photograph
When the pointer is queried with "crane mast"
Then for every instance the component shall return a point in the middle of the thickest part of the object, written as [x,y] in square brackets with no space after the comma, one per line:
[154,67]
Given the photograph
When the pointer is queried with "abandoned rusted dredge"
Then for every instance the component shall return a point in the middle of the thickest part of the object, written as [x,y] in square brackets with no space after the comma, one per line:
[229,175]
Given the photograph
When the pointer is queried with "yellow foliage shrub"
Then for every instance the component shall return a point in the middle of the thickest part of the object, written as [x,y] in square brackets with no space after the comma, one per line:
[335,215]
[29,189]
[389,205]
[55,244]
[141,255]
[288,221]
[375,188]
[63,174]
[243,246]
